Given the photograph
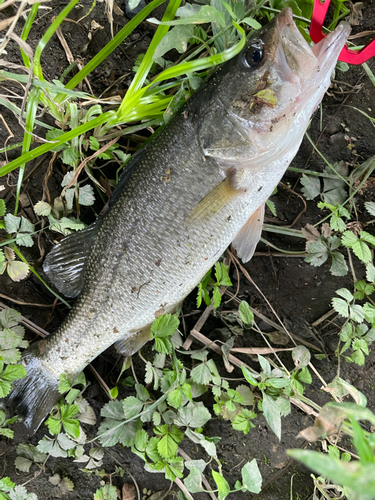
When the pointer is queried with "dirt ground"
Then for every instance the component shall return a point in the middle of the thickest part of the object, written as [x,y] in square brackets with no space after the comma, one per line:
[298,292]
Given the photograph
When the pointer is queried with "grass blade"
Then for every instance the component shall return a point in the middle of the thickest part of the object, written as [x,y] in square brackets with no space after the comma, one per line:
[147,61]
[44,148]
[26,30]
[37,68]
[110,47]
[31,109]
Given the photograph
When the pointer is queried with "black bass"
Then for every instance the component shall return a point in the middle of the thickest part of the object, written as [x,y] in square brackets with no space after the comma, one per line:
[199,186]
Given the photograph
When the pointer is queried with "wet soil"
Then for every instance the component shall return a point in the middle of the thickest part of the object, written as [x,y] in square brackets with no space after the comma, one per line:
[299,293]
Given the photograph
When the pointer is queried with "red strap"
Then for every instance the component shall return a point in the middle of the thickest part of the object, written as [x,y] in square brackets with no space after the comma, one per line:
[346,55]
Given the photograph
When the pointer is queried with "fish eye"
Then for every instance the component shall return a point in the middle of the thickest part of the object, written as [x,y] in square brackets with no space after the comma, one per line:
[254,56]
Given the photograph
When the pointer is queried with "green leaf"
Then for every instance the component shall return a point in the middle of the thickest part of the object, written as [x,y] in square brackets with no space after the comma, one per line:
[17,270]
[253,23]
[132,406]
[370,273]
[360,442]
[94,143]
[338,267]
[305,376]
[370,207]
[301,356]
[367,237]
[177,38]
[318,253]
[164,326]
[193,481]
[152,450]
[311,186]
[142,392]
[341,307]
[221,484]
[107,492]
[69,156]
[64,384]
[251,477]
[272,414]
[168,444]
[266,367]
[201,374]
[248,376]
[86,195]
[246,314]
[23,464]
[205,14]
[242,421]
[163,345]
[369,311]
[221,274]
[174,398]
[357,476]
[54,425]
[13,372]
[2,208]
[217,297]
[12,223]
[6,484]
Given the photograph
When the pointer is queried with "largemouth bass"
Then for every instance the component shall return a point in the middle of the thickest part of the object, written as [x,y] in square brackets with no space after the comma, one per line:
[199,186]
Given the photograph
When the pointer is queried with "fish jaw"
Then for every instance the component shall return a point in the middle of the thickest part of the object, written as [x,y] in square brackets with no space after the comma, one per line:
[259,105]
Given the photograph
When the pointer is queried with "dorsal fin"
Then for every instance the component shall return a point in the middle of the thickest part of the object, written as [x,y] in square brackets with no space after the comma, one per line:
[65,264]
[126,174]
[247,239]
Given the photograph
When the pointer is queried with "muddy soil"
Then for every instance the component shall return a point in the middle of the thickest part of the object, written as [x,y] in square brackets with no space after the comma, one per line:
[299,293]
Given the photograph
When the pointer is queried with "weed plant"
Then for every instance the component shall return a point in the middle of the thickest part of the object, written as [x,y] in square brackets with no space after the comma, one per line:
[166,408]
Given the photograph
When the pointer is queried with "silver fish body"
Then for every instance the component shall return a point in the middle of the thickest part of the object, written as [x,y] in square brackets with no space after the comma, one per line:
[189,195]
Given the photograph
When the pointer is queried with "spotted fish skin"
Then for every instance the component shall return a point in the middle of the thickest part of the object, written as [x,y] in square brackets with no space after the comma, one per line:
[200,185]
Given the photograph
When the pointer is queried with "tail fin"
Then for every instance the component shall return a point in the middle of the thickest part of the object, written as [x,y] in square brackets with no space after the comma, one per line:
[35,395]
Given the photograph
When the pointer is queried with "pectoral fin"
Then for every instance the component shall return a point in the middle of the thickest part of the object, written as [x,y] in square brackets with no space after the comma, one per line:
[247,239]
[213,202]
[65,264]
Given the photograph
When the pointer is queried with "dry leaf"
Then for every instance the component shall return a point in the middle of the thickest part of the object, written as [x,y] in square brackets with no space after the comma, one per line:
[328,422]
[159,495]
[128,492]
[310,233]
[6,22]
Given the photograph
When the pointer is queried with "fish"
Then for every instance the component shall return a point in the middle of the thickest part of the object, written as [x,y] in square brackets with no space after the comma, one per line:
[198,187]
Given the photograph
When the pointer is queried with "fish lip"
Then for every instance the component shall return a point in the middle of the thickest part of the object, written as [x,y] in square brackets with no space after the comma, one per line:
[320,56]
[331,45]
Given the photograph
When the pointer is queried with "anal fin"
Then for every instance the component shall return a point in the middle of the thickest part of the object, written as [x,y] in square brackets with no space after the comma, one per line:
[132,342]
[65,264]
[247,239]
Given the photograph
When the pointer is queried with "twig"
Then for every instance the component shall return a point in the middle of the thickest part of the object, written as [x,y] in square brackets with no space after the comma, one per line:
[29,324]
[186,457]
[198,325]
[183,488]
[323,318]
[86,160]
[209,343]
[103,385]
[22,303]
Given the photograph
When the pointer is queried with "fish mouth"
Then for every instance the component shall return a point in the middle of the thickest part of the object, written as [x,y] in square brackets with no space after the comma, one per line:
[300,61]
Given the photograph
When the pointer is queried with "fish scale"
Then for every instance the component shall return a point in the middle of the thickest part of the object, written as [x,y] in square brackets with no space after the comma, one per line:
[200,185]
